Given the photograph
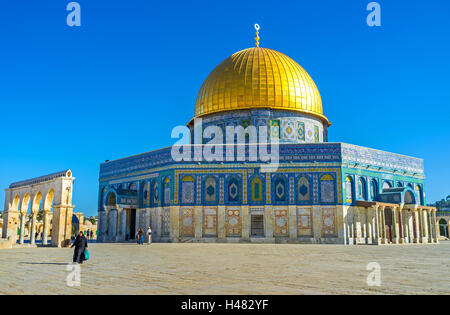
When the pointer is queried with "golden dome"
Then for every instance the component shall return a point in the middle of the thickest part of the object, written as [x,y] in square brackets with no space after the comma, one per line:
[259,78]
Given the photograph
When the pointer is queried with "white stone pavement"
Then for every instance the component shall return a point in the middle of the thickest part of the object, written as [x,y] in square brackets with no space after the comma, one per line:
[229,269]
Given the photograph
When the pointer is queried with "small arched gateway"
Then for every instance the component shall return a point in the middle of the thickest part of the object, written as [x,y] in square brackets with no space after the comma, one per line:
[443,227]
[45,193]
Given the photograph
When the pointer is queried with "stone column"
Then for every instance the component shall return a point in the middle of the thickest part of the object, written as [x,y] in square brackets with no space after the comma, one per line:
[123,224]
[369,232]
[430,227]
[383,226]
[425,227]
[401,232]
[245,223]
[377,225]
[292,222]
[436,227]
[102,221]
[46,226]
[417,227]
[405,226]
[23,217]
[395,225]
[33,228]
[112,231]
[62,225]
[11,219]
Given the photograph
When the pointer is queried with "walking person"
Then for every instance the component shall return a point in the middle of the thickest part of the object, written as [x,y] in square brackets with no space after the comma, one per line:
[137,237]
[81,244]
[87,234]
[149,233]
[141,237]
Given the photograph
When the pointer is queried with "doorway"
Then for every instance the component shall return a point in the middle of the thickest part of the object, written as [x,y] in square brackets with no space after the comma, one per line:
[132,224]
[443,228]
[388,226]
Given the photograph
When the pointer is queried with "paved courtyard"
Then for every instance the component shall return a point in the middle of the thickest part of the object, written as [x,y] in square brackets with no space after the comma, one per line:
[229,269]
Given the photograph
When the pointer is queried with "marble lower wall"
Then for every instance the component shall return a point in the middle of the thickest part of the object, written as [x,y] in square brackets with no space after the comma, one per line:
[258,224]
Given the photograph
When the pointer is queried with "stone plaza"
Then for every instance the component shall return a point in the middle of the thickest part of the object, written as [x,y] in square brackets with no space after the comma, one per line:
[163,268]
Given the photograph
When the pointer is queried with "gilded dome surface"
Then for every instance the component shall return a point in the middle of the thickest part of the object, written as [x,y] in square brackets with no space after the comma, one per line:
[259,78]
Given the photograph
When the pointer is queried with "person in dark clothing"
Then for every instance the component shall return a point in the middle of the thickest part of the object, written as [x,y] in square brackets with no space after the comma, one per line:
[80,244]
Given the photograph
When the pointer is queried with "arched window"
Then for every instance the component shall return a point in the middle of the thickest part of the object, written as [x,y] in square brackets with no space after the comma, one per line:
[327,189]
[132,186]
[155,192]
[303,189]
[399,184]
[145,194]
[279,190]
[348,189]
[210,189]
[418,191]
[409,198]
[361,189]
[187,189]
[233,190]
[166,190]
[111,201]
[386,185]
[257,189]
[373,189]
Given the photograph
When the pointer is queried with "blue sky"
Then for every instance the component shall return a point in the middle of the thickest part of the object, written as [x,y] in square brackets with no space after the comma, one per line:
[73,97]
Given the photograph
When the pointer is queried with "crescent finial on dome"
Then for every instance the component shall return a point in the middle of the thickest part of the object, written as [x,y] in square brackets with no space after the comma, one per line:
[257,35]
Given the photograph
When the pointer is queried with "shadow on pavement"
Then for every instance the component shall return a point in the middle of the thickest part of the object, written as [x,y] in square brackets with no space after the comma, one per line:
[44,263]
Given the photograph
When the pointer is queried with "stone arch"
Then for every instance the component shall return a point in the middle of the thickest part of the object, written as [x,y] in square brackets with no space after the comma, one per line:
[25,203]
[111,199]
[409,197]
[386,184]
[38,194]
[36,201]
[16,202]
[49,199]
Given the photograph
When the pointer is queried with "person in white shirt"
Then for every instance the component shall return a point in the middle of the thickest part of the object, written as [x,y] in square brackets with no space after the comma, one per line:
[149,233]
